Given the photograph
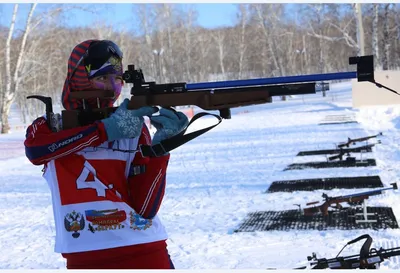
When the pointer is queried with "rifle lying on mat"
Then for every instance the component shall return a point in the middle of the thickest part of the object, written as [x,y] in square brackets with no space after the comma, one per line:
[355,140]
[335,202]
[369,258]
[347,152]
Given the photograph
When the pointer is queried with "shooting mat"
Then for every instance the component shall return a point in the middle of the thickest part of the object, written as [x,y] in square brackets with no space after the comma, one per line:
[332,164]
[338,119]
[294,219]
[325,184]
[338,122]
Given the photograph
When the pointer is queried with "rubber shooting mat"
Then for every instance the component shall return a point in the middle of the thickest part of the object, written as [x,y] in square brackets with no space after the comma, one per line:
[294,219]
[337,122]
[325,184]
[332,164]
[338,119]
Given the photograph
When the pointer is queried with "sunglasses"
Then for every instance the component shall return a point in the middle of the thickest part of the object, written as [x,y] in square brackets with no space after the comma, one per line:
[97,55]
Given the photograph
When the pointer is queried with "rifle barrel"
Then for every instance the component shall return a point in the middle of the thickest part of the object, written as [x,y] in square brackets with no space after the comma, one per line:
[353,261]
[275,80]
[387,253]
[369,193]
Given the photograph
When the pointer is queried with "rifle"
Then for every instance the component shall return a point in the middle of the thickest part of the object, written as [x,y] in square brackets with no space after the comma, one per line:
[221,96]
[351,199]
[351,150]
[354,141]
[369,258]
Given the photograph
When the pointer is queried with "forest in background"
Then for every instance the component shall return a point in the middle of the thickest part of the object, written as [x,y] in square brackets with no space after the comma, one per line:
[167,43]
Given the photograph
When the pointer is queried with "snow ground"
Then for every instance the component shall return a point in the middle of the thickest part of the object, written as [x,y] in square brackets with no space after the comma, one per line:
[215,180]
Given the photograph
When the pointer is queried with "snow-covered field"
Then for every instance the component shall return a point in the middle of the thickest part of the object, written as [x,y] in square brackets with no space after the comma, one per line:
[215,180]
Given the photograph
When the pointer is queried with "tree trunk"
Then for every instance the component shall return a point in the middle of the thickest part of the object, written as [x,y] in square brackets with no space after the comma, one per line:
[6,96]
[242,39]
[375,41]
[360,29]
[12,82]
[304,63]
[386,37]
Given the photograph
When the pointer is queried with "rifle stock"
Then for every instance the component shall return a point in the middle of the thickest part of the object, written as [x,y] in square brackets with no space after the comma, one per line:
[221,99]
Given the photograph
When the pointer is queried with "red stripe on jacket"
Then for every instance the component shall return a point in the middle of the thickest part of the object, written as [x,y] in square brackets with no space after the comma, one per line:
[147,189]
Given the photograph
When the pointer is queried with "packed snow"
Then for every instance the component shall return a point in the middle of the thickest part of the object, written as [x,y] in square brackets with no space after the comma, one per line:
[215,180]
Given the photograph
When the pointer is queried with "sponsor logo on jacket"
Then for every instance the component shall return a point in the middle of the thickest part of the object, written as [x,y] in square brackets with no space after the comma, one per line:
[59,145]
[103,220]
[138,222]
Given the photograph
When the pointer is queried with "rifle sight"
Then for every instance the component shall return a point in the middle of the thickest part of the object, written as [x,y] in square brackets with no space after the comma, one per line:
[141,87]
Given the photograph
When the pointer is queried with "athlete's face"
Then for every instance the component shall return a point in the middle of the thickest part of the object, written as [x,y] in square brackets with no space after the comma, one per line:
[112,82]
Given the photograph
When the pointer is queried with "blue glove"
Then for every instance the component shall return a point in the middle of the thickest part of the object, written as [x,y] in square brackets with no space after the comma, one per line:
[125,123]
[168,124]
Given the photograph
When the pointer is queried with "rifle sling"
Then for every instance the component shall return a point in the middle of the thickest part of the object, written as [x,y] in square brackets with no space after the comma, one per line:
[174,142]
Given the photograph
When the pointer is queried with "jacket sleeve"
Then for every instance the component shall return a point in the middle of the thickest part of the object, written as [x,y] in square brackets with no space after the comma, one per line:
[147,189]
[42,145]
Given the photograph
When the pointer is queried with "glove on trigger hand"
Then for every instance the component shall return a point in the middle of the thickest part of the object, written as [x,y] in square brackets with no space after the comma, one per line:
[168,124]
[125,123]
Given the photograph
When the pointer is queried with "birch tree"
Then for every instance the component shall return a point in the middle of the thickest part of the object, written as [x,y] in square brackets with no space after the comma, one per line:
[12,78]
[375,31]
[188,44]
[145,23]
[360,28]
[386,37]
[242,44]
[219,36]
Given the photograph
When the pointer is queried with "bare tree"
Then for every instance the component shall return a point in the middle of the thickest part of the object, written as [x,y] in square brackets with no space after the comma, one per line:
[219,36]
[265,16]
[145,16]
[375,31]
[360,28]
[242,17]
[188,44]
[386,38]
[12,77]
[344,29]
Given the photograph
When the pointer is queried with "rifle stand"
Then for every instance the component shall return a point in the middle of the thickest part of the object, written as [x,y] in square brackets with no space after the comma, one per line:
[365,214]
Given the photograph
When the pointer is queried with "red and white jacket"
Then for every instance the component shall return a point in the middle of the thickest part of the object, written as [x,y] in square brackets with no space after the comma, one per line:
[98,201]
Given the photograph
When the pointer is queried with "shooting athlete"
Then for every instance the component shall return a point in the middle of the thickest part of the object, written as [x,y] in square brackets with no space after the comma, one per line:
[105,196]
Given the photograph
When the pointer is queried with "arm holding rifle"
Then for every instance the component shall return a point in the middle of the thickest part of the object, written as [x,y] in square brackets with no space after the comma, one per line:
[43,144]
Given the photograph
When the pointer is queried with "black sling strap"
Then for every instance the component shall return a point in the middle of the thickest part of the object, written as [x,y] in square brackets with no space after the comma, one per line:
[174,142]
